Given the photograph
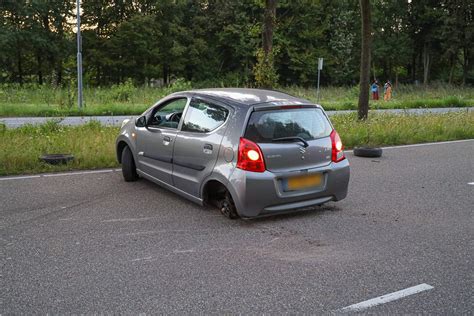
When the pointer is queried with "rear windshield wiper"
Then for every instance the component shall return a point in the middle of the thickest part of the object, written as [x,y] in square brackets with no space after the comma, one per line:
[291,138]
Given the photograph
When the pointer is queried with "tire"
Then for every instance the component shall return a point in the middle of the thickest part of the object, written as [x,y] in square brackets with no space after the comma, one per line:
[368,152]
[227,207]
[129,170]
[57,159]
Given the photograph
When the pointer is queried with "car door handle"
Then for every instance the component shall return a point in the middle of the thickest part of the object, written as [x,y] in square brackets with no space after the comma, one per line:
[166,140]
[207,149]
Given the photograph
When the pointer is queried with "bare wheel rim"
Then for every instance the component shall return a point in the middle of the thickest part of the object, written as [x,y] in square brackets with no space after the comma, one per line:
[225,208]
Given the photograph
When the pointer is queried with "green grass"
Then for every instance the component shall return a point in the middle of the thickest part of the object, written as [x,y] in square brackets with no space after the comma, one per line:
[93,144]
[126,99]
[389,129]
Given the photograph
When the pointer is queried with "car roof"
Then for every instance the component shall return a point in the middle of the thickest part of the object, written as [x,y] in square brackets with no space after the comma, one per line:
[247,96]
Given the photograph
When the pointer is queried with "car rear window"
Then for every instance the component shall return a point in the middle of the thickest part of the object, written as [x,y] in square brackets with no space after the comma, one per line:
[307,123]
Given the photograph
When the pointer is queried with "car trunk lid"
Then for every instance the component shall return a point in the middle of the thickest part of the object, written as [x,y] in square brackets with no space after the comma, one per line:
[288,156]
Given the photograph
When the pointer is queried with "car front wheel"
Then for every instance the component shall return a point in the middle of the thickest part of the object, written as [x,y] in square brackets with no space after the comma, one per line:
[129,170]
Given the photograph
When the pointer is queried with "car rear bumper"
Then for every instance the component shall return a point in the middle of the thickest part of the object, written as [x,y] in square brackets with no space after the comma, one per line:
[258,194]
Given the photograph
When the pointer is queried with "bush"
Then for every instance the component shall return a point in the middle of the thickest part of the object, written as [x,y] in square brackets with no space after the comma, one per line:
[179,84]
[123,91]
[264,70]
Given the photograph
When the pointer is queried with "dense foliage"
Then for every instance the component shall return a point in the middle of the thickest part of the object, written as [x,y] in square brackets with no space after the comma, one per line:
[214,42]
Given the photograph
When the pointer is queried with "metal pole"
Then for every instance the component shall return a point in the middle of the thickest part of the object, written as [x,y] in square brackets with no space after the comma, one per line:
[79,57]
[317,93]
[320,67]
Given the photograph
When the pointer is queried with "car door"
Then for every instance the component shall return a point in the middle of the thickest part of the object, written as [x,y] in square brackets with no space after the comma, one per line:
[197,143]
[156,140]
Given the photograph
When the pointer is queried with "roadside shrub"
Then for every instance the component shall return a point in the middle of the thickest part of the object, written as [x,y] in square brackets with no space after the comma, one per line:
[51,126]
[179,84]
[454,101]
[123,91]
[93,125]
[264,70]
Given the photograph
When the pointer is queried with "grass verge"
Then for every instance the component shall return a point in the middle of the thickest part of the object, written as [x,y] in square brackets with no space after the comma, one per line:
[390,130]
[93,144]
[126,99]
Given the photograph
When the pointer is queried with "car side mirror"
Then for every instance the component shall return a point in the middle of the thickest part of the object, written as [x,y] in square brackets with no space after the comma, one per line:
[140,122]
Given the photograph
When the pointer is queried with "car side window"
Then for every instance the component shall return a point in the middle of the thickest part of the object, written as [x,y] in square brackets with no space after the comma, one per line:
[168,115]
[203,117]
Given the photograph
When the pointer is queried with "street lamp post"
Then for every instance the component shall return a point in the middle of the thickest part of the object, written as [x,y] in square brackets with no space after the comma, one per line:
[320,67]
[79,57]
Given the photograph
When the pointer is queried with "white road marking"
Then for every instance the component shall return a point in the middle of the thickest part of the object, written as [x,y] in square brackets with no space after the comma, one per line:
[169,231]
[429,144]
[18,178]
[74,173]
[139,259]
[79,172]
[183,251]
[470,183]
[419,145]
[176,251]
[218,249]
[387,298]
[127,219]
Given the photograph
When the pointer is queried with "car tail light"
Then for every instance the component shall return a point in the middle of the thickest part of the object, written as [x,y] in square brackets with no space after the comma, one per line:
[250,156]
[337,147]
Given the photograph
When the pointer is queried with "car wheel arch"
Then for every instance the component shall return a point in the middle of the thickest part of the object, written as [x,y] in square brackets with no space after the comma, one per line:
[215,180]
[121,144]
[211,188]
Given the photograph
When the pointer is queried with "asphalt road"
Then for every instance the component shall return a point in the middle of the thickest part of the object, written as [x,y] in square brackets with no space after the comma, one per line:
[91,243]
[14,122]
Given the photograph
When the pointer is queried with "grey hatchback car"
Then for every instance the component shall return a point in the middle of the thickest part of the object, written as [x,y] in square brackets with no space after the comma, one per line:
[249,152]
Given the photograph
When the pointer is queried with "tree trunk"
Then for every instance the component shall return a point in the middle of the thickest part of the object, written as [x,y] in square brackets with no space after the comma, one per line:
[451,71]
[267,39]
[365,59]
[59,77]
[413,66]
[40,68]
[426,64]
[465,66]
[20,68]
[268,26]
[98,76]
[165,75]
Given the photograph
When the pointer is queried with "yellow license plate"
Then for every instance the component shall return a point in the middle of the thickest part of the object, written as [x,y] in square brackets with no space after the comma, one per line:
[305,182]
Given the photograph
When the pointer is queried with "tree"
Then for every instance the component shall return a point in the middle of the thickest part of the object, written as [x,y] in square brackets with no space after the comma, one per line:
[220,43]
[339,25]
[365,59]
[391,44]
[268,26]
[466,28]
[265,74]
